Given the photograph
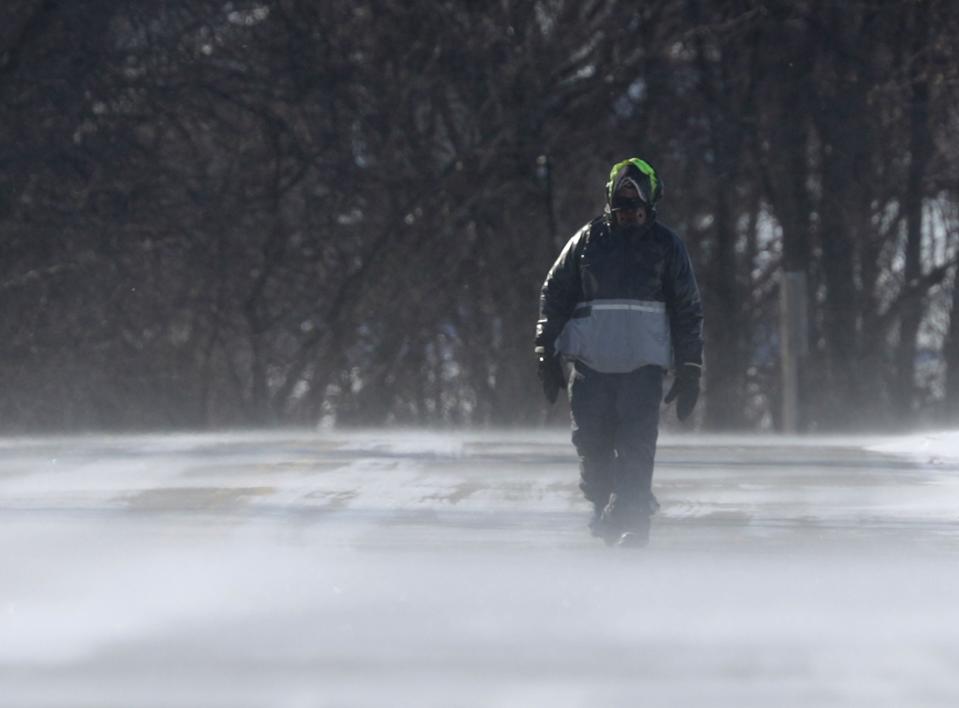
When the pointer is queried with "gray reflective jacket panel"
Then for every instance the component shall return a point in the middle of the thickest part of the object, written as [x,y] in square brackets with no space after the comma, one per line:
[619,302]
[617,336]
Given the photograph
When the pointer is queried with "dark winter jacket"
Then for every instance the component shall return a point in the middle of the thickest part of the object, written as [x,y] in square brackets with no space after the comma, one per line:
[617,302]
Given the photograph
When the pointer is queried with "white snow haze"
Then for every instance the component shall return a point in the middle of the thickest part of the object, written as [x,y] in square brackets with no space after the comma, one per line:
[304,569]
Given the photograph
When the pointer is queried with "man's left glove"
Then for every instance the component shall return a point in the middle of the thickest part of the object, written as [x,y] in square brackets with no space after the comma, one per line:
[550,373]
[685,388]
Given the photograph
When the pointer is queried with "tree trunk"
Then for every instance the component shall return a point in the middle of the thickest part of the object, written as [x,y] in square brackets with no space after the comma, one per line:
[911,317]
[951,356]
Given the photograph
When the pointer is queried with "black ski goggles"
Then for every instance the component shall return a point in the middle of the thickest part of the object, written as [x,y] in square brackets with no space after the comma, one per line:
[627,204]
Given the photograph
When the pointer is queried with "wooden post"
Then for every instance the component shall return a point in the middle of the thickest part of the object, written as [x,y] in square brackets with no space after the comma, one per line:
[794,345]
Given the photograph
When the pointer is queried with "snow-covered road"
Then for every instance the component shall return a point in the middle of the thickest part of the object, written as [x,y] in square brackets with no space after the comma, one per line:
[305,569]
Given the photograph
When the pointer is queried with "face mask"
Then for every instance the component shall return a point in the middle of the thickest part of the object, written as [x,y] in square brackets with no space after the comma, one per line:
[627,204]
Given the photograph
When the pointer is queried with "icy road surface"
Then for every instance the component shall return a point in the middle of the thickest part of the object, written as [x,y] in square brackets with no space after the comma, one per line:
[313,570]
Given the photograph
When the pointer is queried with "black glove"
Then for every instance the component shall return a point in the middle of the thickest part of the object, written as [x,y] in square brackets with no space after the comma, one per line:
[686,388]
[550,373]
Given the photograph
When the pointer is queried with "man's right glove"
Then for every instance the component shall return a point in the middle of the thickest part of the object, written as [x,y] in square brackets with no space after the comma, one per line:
[685,388]
[550,373]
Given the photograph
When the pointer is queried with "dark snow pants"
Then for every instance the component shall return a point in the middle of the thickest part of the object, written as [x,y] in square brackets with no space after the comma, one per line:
[615,426]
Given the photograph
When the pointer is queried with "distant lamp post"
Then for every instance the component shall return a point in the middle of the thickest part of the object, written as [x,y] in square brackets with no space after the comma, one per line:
[793,344]
[544,171]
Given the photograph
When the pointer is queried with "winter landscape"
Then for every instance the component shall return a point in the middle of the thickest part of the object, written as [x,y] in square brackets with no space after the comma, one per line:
[368,259]
[367,569]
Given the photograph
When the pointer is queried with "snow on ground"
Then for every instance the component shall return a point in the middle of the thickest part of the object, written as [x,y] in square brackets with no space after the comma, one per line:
[369,568]
[933,447]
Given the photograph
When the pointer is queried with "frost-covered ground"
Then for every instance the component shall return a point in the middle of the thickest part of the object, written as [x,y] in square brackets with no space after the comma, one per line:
[305,569]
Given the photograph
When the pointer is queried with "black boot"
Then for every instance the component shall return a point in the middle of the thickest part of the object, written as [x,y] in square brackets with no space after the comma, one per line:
[636,534]
[627,521]
[596,484]
[597,526]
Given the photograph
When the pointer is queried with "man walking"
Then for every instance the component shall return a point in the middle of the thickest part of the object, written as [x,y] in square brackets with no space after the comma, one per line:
[619,307]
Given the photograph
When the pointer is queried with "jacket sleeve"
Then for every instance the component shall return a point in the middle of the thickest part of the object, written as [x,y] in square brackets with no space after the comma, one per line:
[684,306]
[560,293]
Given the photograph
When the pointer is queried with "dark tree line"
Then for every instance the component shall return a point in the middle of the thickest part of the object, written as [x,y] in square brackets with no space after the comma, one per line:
[287,211]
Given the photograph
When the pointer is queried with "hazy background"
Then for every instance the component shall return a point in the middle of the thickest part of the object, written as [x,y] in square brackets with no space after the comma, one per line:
[292,211]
